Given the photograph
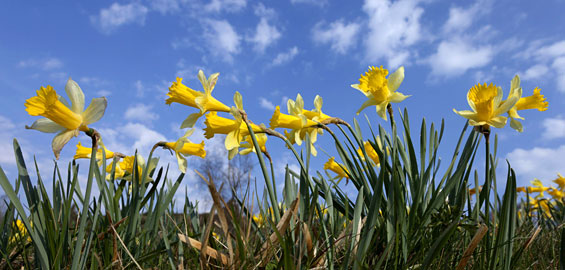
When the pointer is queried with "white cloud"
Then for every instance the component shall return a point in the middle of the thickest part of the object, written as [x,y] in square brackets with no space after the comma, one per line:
[45,64]
[285,57]
[140,112]
[103,93]
[139,89]
[554,128]
[535,72]
[551,51]
[116,15]
[222,39]
[265,35]
[455,57]
[311,2]
[393,27]
[461,19]
[262,11]
[266,104]
[538,162]
[6,135]
[341,36]
[225,5]
[559,65]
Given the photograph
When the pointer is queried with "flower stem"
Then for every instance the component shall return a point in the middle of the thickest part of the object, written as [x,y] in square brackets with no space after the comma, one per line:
[390,113]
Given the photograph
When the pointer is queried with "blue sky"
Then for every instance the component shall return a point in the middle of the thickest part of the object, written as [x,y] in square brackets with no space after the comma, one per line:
[131,52]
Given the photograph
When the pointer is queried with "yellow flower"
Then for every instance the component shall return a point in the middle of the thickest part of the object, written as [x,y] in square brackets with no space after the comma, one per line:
[295,122]
[379,90]
[85,152]
[537,187]
[473,191]
[235,129]
[555,193]
[336,168]
[62,118]
[521,189]
[371,152]
[248,144]
[204,101]
[184,147]
[316,114]
[124,169]
[560,180]
[20,232]
[487,105]
[535,101]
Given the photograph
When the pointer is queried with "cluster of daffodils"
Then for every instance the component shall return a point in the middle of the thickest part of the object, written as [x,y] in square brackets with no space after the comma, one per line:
[488,106]
[20,232]
[538,201]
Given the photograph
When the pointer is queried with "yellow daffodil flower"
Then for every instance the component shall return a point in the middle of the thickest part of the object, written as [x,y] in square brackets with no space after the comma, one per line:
[474,191]
[487,105]
[371,152]
[86,152]
[124,169]
[180,93]
[62,118]
[316,114]
[20,232]
[184,147]
[537,187]
[379,89]
[336,168]
[521,189]
[560,180]
[555,193]
[248,144]
[535,101]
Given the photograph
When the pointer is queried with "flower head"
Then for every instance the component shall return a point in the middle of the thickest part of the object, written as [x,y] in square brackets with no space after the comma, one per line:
[336,168]
[248,144]
[61,117]
[487,105]
[125,168]
[180,93]
[20,232]
[535,101]
[184,147]
[379,89]
[560,181]
[371,152]
[86,152]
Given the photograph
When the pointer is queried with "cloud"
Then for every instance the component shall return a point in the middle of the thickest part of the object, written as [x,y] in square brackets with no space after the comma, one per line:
[393,27]
[265,35]
[262,11]
[109,19]
[455,57]
[535,72]
[266,104]
[538,162]
[460,19]
[554,128]
[140,112]
[559,65]
[341,36]
[165,6]
[103,93]
[222,39]
[45,64]
[225,5]
[285,57]
[7,131]
[311,2]
[139,89]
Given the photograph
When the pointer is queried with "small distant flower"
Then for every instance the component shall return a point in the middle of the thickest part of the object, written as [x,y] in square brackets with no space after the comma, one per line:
[487,105]
[535,101]
[521,189]
[204,101]
[537,187]
[86,152]
[474,191]
[184,147]
[248,144]
[336,168]
[20,232]
[560,181]
[124,168]
[555,193]
[371,152]
[379,89]
[61,117]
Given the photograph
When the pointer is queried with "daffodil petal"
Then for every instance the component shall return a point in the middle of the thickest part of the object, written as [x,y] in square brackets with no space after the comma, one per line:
[498,98]
[356,86]
[395,79]
[397,97]
[514,84]
[318,102]
[212,82]
[467,114]
[497,122]
[515,124]
[367,103]
[191,120]
[232,140]
[238,100]
[202,79]
[182,163]
[232,153]
[246,151]
[299,103]
[381,110]
[505,107]
[46,125]
[75,95]
[95,110]
[61,139]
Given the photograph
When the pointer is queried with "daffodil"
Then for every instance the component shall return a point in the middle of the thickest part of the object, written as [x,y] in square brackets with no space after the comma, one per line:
[560,181]
[180,93]
[316,114]
[62,118]
[473,191]
[248,144]
[521,189]
[19,232]
[535,101]
[184,147]
[336,168]
[86,152]
[124,168]
[537,187]
[487,105]
[379,89]
[555,193]
[371,152]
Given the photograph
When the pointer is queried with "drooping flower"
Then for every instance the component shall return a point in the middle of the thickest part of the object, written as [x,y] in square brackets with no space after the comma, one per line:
[537,187]
[379,89]
[184,147]
[248,144]
[487,105]
[62,118]
[371,152]
[335,167]
[555,193]
[180,93]
[124,169]
[86,152]
[535,101]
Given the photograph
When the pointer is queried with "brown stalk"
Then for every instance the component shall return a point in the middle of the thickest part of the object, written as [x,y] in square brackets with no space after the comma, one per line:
[207,251]
[467,254]
[282,226]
